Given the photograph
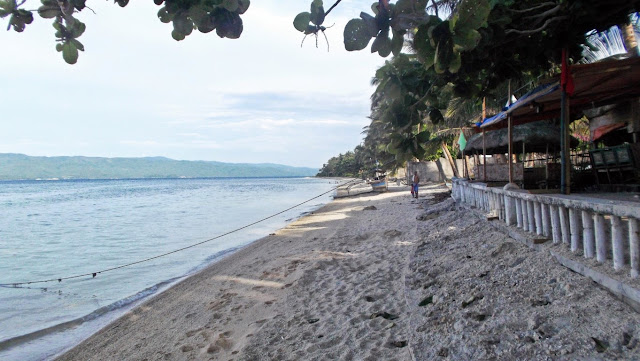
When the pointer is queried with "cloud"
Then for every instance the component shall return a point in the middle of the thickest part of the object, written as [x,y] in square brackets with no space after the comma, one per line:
[135,90]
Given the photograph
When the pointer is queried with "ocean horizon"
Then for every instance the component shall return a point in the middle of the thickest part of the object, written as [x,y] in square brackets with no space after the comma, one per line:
[63,228]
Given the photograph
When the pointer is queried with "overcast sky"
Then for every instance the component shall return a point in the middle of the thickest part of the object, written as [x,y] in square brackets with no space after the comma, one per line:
[137,92]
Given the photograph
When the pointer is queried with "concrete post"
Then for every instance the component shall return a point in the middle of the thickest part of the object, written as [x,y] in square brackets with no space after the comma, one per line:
[532,216]
[618,242]
[510,210]
[601,237]
[538,216]
[525,215]
[564,224]
[546,220]
[587,234]
[463,198]
[634,239]
[575,225]
[518,212]
[555,224]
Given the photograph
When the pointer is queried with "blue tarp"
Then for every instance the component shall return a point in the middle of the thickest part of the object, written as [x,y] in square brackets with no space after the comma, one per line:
[534,94]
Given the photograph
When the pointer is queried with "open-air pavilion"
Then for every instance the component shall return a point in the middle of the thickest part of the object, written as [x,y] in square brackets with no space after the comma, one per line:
[595,85]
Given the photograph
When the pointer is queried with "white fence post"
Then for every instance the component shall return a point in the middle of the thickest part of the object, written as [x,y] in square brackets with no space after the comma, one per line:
[525,215]
[556,231]
[546,220]
[601,237]
[575,225]
[538,216]
[618,242]
[532,216]
[587,234]
[634,239]
[564,224]
[518,212]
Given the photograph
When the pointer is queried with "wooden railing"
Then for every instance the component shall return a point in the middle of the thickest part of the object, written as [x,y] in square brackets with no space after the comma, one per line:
[594,228]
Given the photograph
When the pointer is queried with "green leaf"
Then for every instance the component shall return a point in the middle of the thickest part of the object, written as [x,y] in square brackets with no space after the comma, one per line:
[302,21]
[243,6]
[424,136]
[49,11]
[7,7]
[371,23]
[176,35]
[206,24]
[444,55]
[183,25]
[397,42]
[231,5]
[69,53]
[466,39]
[59,47]
[164,15]
[317,12]
[470,15]
[77,44]
[422,43]
[356,35]
[382,45]
[77,29]
[78,4]
[456,62]
[228,24]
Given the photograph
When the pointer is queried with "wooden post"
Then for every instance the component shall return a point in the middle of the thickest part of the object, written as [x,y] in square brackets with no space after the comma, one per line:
[484,145]
[565,160]
[447,155]
[510,133]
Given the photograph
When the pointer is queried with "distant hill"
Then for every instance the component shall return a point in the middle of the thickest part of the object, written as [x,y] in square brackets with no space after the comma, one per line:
[20,166]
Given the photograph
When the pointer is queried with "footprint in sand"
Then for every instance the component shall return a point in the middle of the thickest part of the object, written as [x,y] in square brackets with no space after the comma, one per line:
[222,343]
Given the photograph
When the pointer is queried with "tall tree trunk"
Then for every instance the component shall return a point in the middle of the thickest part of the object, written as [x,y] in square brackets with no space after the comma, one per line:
[447,155]
[630,41]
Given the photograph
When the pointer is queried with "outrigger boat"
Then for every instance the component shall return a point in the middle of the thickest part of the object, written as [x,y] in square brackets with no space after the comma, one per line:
[379,182]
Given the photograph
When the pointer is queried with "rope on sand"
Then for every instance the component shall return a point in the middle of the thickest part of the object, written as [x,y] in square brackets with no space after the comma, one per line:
[94,274]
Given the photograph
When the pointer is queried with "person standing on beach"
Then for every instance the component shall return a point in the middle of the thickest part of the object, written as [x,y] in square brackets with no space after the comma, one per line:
[414,184]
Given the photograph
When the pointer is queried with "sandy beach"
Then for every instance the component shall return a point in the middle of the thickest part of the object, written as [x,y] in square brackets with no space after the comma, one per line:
[378,276]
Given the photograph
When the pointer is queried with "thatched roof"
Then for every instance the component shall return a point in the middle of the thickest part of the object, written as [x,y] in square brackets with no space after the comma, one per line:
[536,136]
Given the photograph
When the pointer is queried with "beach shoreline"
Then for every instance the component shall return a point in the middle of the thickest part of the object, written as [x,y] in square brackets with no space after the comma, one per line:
[377,276]
[49,341]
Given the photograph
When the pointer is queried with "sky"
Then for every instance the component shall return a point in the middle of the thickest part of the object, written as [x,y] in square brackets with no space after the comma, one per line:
[136,92]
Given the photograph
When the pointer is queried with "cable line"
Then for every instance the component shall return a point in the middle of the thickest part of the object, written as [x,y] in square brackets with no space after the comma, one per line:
[94,274]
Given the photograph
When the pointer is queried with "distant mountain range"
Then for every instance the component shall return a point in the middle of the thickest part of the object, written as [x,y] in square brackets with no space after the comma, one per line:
[20,166]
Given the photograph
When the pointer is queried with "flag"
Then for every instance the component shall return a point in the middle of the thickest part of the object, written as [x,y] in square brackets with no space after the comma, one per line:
[566,80]
[462,141]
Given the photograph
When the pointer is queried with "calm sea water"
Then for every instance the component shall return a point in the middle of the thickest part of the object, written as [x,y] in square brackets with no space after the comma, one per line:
[52,229]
